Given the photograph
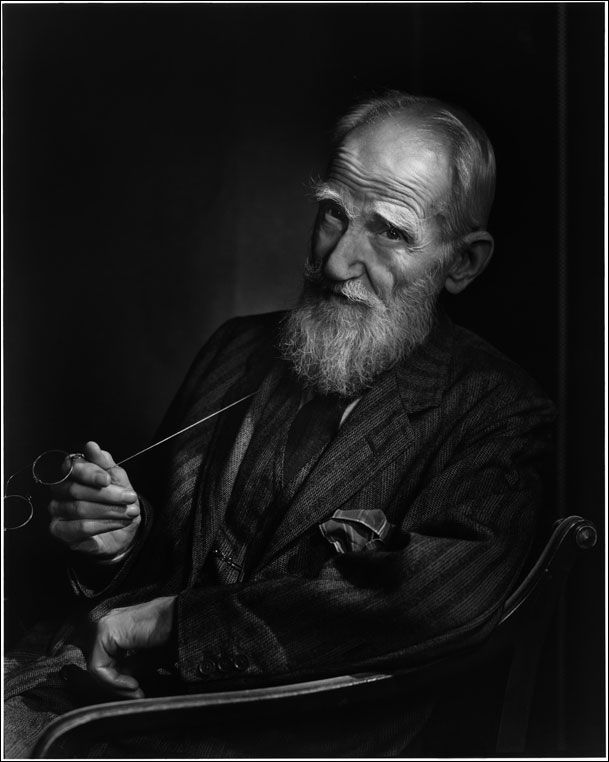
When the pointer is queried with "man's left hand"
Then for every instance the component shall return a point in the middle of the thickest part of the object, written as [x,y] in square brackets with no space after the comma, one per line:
[143,626]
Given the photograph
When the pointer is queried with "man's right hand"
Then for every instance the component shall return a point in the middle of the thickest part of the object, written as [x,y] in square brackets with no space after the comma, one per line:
[96,511]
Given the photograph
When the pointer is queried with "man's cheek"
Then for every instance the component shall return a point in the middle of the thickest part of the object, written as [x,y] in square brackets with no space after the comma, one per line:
[325,239]
[380,282]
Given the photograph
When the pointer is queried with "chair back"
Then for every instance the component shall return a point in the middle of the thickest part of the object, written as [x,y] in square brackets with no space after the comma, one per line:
[526,619]
[492,715]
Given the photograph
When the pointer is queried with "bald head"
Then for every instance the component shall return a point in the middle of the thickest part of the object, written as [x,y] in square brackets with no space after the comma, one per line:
[448,131]
[402,153]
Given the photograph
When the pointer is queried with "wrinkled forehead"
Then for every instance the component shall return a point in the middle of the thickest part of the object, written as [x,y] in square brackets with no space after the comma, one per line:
[394,162]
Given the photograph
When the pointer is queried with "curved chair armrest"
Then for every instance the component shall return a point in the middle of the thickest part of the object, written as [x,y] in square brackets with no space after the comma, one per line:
[537,593]
[570,535]
[172,711]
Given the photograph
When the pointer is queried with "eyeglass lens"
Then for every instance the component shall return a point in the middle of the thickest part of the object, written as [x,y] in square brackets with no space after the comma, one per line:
[52,467]
[55,466]
[49,469]
[18,510]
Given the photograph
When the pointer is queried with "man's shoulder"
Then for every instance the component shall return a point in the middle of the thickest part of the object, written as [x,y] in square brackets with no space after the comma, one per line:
[251,330]
[480,369]
[237,340]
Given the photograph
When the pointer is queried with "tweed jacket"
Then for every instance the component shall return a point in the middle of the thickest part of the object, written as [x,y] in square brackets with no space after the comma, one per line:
[447,445]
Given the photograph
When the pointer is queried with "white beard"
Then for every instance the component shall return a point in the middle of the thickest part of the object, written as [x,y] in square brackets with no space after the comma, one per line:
[340,337]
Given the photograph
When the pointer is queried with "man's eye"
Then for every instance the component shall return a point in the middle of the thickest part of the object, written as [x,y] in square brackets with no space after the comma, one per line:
[394,234]
[333,212]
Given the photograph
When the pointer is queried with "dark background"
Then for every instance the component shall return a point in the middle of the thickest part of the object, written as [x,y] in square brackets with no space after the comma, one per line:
[156,166]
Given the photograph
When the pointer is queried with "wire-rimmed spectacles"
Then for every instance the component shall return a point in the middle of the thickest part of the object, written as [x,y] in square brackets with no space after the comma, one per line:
[53,467]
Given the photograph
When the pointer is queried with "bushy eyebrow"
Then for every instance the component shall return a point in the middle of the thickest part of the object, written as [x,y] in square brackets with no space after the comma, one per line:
[402,219]
[324,191]
[405,222]
[402,225]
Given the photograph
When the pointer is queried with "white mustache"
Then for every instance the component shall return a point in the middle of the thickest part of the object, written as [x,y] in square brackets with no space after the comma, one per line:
[352,290]
[355,291]
[340,347]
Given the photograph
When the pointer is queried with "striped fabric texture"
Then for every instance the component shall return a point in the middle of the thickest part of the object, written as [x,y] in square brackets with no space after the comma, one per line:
[447,446]
[401,544]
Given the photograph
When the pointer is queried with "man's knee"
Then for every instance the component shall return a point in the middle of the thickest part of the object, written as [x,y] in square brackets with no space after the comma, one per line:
[28,714]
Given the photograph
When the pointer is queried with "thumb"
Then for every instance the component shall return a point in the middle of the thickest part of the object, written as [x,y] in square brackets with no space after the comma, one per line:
[103,666]
[102,458]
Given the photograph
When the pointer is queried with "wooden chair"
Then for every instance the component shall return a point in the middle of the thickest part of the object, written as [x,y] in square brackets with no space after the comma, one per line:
[518,640]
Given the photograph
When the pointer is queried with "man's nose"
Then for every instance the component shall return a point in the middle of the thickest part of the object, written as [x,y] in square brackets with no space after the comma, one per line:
[346,259]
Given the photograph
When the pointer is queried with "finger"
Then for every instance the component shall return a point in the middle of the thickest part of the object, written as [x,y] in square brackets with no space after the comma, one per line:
[84,509]
[111,495]
[138,693]
[119,682]
[86,473]
[101,458]
[102,665]
[75,531]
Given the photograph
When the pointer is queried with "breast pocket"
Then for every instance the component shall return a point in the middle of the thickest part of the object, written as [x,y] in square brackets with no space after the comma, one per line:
[357,530]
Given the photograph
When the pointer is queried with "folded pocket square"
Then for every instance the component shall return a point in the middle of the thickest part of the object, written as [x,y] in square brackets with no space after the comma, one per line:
[356,530]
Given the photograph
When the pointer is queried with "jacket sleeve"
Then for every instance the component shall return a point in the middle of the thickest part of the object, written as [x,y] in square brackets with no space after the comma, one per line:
[457,553]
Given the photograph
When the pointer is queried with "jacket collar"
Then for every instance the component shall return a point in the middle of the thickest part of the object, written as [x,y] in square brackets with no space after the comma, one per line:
[421,378]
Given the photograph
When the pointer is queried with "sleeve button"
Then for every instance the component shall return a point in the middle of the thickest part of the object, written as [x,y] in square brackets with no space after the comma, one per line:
[224,664]
[241,662]
[206,667]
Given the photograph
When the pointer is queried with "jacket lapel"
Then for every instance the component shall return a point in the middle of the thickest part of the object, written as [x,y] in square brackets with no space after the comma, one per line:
[376,432]
[209,461]
[233,377]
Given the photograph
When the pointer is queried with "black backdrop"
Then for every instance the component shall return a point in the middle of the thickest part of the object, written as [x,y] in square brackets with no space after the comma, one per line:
[156,165]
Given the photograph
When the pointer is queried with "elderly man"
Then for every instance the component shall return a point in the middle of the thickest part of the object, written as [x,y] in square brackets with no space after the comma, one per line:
[370,497]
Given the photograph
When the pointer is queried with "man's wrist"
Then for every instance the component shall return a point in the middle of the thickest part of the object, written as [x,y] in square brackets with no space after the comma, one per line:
[113,560]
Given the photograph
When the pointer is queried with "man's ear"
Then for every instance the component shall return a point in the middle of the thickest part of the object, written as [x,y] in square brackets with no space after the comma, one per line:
[474,253]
